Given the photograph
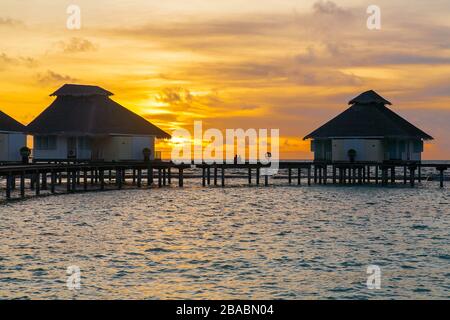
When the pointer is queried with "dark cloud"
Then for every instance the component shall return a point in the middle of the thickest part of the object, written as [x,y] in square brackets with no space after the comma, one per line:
[408,58]
[51,77]
[269,73]
[176,95]
[76,45]
[330,8]
[9,22]
[8,61]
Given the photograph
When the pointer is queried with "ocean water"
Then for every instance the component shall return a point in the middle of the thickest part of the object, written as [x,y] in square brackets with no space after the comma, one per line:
[238,242]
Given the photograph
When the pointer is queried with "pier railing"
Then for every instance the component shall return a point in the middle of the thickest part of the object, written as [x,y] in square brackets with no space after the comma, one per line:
[20,181]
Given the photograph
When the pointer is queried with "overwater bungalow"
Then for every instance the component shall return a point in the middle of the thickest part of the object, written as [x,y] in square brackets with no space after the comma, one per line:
[12,138]
[367,131]
[83,123]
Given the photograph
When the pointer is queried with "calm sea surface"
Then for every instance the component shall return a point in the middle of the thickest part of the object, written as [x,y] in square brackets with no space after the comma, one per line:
[276,242]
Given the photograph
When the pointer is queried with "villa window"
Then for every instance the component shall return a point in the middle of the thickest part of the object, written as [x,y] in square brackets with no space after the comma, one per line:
[84,143]
[45,143]
[418,146]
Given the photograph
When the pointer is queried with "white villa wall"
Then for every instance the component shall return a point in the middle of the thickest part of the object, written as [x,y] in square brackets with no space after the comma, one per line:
[16,142]
[10,144]
[120,148]
[59,153]
[409,154]
[4,147]
[108,148]
[139,143]
[366,149]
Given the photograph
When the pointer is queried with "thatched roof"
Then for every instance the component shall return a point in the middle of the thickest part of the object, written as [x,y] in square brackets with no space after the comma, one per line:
[88,110]
[77,90]
[8,124]
[369,97]
[368,117]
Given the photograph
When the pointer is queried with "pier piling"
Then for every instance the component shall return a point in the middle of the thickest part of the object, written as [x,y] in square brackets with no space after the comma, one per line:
[80,176]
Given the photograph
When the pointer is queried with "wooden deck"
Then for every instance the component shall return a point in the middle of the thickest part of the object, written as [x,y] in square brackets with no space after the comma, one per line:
[68,177]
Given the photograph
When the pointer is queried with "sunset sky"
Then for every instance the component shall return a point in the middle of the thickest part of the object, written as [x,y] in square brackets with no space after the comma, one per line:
[286,64]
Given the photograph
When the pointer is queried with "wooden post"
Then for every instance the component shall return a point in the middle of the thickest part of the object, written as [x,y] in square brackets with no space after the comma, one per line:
[325,174]
[315,174]
[368,174]
[164,176]
[22,184]
[180,177]
[38,185]
[249,175]
[119,177]
[266,179]
[74,180]
[320,168]
[299,176]
[258,172]
[169,175]
[411,176]
[441,177]
[8,186]
[68,180]
[116,179]
[110,175]
[393,174]
[44,180]
[290,175]
[52,181]
[85,179]
[215,175]
[134,177]
[404,174]
[384,178]
[203,176]
[223,176]
[309,175]
[159,178]
[208,171]
[334,174]
[139,178]
[102,179]
[376,174]
[364,179]
[419,173]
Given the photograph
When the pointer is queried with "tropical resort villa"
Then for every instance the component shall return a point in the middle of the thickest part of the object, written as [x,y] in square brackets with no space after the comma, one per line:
[368,131]
[12,138]
[83,123]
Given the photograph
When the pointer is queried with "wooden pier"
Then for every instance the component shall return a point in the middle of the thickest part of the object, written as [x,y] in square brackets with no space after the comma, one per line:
[69,177]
